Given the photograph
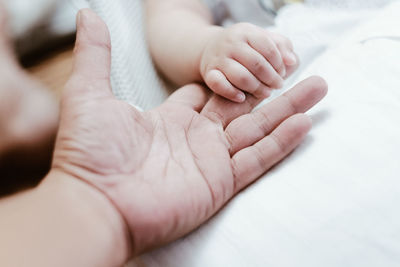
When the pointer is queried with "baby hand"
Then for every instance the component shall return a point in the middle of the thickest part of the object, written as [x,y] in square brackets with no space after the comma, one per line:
[246,58]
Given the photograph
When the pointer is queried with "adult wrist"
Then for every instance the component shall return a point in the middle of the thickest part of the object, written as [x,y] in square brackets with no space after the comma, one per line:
[99,220]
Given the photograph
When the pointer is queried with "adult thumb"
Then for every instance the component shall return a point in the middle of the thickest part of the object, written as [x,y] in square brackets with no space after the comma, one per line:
[92,67]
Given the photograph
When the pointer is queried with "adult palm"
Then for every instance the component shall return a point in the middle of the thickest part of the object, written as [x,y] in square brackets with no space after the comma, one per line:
[170,169]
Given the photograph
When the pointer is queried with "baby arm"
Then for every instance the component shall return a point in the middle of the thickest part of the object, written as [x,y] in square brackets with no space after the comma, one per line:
[187,47]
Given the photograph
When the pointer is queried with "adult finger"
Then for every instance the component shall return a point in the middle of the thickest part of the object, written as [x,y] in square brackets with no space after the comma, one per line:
[251,162]
[222,111]
[193,96]
[250,128]
[91,72]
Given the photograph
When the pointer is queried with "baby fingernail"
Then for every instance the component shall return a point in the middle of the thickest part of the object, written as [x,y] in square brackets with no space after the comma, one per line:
[240,97]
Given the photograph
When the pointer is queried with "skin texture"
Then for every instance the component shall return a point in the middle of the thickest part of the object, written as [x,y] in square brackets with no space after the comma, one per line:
[231,61]
[62,222]
[169,170]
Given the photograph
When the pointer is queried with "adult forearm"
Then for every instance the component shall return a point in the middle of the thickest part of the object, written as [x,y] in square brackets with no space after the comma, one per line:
[63,222]
[177,31]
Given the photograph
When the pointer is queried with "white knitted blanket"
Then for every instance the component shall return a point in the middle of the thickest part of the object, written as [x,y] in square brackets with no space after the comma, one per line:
[134,77]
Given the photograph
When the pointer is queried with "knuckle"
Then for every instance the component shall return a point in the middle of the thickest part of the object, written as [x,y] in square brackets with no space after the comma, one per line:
[231,38]
[290,104]
[236,185]
[282,149]
[270,52]
[259,155]
[263,122]
[258,63]
[265,75]
[244,80]
[242,29]
[260,67]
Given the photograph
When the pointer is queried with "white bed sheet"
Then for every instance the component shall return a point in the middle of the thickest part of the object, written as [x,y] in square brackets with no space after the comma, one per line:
[335,200]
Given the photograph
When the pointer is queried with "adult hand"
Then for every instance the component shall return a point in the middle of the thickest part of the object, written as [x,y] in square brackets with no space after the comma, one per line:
[170,169]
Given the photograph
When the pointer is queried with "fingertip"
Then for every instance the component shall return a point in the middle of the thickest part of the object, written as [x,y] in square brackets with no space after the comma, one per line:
[300,124]
[278,83]
[79,17]
[282,72]
[240,97]
[82,18]
[92,54]
[91,29]
[290,69]
[280,67]
[290,58]
[234,95]
[85,16]
[306,121]
[318,84]
[194,96]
